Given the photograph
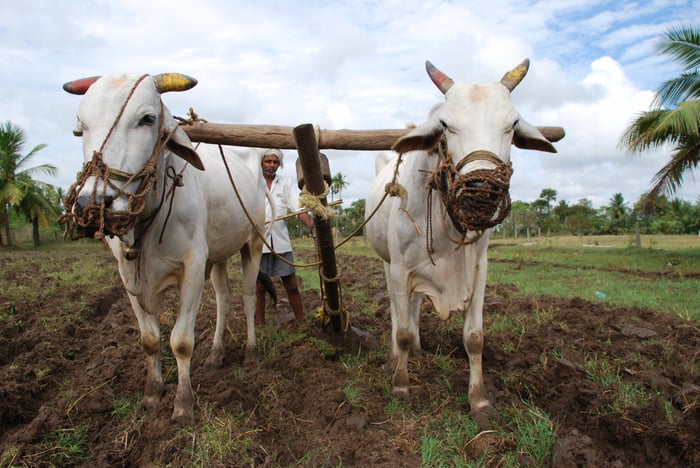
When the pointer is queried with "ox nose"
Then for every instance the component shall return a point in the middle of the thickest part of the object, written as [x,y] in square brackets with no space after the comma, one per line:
[85,200]
[494,190]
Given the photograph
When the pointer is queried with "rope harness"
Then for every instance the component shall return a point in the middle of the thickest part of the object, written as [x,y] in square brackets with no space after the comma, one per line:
[95,218]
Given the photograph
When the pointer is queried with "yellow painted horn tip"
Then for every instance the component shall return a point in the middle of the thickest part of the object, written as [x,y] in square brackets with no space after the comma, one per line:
[174,82]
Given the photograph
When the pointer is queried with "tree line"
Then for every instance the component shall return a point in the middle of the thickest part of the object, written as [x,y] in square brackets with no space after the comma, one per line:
[545,217]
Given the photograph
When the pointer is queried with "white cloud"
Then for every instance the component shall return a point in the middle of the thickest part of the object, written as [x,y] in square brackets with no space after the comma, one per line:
[356,65]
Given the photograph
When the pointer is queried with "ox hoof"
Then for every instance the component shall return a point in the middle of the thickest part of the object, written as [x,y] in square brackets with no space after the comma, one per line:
[150,402]
[251,357]
[482,416]
[215,359]
[182,418]
[401,392]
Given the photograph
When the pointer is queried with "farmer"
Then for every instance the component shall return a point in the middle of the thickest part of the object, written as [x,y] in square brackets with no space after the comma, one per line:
[286,198]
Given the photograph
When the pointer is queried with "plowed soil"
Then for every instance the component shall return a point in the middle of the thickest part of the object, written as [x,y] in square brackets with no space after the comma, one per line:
[67,358]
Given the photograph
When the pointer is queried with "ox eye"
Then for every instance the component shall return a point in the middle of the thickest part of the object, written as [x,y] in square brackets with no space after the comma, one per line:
[147,120]
[446,127]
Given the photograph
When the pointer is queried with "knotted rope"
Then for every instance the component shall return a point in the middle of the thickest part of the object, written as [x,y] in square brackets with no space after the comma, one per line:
[314,204]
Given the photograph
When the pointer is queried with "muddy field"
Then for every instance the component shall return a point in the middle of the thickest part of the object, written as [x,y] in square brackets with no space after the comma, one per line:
[69,358]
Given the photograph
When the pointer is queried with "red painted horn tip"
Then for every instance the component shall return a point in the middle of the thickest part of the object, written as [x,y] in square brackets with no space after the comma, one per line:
[80,86]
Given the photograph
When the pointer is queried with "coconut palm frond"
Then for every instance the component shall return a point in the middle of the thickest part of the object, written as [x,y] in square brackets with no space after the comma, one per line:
[682,43]
[676,90]
[656,128]
[685,159]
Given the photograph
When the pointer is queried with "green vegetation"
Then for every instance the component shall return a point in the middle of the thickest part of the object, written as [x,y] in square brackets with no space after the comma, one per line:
[68,447]
[219,436]
[35,201]
[662,279]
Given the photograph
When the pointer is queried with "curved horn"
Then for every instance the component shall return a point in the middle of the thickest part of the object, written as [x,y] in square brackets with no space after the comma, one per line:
[173,82]
[442,81]
[513,78]
[80,86]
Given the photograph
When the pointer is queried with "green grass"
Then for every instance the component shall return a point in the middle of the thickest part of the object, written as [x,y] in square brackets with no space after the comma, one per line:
[68,447]
[444,441]
[665,280]
[533,432]
[217,438]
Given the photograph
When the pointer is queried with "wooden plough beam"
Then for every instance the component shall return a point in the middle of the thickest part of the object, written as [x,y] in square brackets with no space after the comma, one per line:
[308,140]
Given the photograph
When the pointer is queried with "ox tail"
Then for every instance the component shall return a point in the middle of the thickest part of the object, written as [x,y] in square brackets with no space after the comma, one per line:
[269,286]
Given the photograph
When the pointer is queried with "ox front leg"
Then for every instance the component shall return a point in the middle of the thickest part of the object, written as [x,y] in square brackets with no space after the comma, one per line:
[473,340]
[219,279]
[149,328]
[404,338]
[182,340]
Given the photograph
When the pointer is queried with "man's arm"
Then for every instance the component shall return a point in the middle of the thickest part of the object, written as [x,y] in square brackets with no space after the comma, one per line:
[308,222]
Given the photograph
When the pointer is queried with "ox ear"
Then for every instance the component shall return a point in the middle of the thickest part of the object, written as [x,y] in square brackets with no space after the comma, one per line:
[80,86]
[527,136]
[423,137]
[180,144]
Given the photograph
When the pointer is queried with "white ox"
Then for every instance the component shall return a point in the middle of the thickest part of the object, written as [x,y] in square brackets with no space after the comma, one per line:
[166,219]
[430,248]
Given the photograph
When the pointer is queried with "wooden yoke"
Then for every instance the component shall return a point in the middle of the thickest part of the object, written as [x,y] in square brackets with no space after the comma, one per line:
[278,136]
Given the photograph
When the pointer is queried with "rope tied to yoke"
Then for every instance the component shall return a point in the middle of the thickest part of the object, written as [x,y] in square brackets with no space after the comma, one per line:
[314,204]
[95,217]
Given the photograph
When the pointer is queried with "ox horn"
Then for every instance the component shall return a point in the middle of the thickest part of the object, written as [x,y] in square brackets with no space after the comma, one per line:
[442,81]
[80,86]
[513,78]
[173,82]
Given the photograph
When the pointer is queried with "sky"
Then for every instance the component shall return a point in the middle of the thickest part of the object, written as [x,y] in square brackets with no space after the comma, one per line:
[358,64]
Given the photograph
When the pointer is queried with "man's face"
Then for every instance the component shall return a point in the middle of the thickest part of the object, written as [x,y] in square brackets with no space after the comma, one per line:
[270,164]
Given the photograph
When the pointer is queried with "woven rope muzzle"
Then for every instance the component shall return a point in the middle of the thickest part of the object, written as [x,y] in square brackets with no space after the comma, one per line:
[95,219]
[479,199]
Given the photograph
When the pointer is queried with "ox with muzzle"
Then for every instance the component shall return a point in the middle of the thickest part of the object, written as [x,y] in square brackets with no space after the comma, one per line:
[449,181]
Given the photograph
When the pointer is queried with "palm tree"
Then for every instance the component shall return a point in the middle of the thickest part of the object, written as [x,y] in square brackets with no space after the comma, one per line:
[16,182]
[617,213]
[37,205]
[338,183]
[675,115]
